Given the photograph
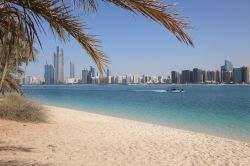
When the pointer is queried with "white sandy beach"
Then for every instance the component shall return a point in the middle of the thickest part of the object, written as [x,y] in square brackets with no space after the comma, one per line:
[81,138]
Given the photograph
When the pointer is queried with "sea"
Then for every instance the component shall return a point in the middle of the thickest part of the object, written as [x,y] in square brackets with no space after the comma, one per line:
[219,110]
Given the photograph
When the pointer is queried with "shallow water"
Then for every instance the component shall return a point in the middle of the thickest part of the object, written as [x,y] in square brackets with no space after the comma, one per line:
[212,109]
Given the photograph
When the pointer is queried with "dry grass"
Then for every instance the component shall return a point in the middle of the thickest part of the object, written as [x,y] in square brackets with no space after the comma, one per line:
[18,108]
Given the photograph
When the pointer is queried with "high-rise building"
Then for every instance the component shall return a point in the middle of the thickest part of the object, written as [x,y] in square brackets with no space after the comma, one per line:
[108,77]
[59,66]
[211,77]
[85,73]
[72,70]
[175,77]
[197,76]
[228,66]
[226,76]
[218,76]
[237,75]
[186,76]
[91,75]
[226,72]
[49,74]
[246,74]
[204,76]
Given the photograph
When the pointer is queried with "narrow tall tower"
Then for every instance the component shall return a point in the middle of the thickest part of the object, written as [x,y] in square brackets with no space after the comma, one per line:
[59,66]
[72,70]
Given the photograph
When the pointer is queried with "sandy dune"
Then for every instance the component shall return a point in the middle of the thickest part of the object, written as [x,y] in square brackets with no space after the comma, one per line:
[80,138]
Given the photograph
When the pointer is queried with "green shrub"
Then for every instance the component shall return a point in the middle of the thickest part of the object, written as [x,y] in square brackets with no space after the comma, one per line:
[18,108]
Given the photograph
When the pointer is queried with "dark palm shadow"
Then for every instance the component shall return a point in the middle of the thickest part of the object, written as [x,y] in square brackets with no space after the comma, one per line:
[13,148]
[21,163]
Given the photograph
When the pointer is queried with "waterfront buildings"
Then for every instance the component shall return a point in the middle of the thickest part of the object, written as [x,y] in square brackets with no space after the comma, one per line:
[237,75]
[91,75]
[73,81]
[85,73]
[49,74]
[226,77]
[108,77]
[29,80]
[186,76]
[227,74]
[175,77]
[246,74]
[228,66]
[197,76]
[59,66]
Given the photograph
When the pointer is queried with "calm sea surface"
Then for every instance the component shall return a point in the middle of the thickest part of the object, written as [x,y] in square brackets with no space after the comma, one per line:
[217,110]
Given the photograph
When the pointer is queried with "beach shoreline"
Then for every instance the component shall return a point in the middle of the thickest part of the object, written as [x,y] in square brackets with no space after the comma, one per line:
[74,137]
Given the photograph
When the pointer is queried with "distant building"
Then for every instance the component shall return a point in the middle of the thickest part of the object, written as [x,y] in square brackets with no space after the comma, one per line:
[73,81]
[197,76]
[59,66]
[118,79]
[108,77]
[91,75]
[72,70]
[246,74]
[226,72]
[29,80]
[186,76]
[237,75]
[226,76]
[112,80]
[175,77]
[160,80]
[135,79]
[49,74]
[228,66]
[85,73]
[211,77]
[218,76]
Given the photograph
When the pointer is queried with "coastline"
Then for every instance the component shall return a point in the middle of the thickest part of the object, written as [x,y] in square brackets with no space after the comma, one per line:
[75,137]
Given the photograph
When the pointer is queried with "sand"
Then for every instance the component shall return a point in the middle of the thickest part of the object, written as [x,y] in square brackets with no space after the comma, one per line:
[80,138]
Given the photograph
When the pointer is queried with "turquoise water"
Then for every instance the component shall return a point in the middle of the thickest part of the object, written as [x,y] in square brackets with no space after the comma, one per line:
[217,110]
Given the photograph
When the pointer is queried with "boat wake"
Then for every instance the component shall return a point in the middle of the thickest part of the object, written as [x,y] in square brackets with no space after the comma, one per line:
[158,91]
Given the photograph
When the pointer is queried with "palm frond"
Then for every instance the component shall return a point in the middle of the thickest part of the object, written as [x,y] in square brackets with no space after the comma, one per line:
[62,21]
[157,11]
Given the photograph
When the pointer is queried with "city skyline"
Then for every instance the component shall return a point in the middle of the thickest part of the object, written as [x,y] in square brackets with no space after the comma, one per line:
[217,35]
[227,74]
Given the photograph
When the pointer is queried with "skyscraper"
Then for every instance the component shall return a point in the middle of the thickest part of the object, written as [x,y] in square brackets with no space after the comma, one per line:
[228,66]
[108,78]
[246,75]
[186,76]
[175,77]
[72,70]
[91,75]
[197,76]
[85,73]
[49,74]
[218,76]
[59,66]
[237,75]
[226,72]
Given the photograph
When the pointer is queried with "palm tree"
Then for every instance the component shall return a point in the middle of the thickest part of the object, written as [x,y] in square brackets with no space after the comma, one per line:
[10,70]
[23,18]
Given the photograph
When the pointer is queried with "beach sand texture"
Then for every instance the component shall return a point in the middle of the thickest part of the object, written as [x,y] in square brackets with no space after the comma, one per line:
[81,138]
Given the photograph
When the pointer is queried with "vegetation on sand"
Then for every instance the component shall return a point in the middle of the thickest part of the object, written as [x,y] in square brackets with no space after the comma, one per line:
[18,108]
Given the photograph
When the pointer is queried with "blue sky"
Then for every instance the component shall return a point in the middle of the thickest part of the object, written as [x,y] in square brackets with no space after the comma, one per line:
[135,44]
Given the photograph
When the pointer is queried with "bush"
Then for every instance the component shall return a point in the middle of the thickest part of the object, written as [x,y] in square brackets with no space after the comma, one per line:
[18,108]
